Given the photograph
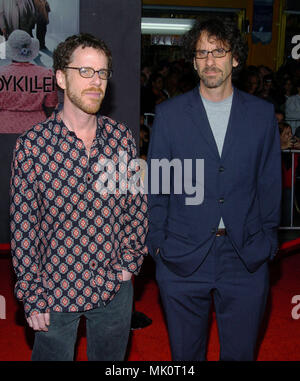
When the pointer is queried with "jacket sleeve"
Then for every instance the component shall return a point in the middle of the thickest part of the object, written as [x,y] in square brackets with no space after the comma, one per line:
[270,184]
[158,202]
[135,226]
[25,222]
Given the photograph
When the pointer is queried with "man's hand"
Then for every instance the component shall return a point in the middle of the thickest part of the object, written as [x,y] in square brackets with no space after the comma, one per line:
[126,275]
[297,144]
[39,322]
[286,141]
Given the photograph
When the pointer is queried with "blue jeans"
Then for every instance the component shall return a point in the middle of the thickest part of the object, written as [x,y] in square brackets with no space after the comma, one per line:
[107,330]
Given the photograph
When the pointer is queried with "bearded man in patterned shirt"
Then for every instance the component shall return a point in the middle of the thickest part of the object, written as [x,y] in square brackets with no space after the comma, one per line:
[75,243]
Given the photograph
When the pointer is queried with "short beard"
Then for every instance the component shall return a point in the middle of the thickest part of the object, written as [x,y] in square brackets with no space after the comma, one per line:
[213,83]
[92,108]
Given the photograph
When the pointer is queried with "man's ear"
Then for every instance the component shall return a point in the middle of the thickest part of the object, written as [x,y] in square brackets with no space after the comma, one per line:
[235,63]
[61,79]
[194,63]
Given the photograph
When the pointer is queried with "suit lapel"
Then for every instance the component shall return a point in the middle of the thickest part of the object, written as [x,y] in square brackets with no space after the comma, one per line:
[199,117]
[237,118]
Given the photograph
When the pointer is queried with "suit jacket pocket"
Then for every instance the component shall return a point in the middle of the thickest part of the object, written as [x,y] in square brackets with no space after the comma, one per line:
[177,229]
[251,230]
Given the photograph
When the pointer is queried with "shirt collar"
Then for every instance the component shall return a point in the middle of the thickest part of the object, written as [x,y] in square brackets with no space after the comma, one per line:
[62,129]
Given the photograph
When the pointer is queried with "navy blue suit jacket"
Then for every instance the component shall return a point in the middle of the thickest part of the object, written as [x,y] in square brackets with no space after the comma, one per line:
[243,185]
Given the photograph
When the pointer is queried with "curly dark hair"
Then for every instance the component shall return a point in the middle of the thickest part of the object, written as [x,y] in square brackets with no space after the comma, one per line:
[62,55]
[224,30]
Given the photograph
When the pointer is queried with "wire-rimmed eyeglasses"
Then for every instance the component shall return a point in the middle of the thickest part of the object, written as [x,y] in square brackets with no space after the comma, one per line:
[89,72]
[216,53]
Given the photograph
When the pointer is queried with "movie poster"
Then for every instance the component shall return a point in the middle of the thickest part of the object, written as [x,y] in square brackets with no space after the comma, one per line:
[27,89]
[51,22]
[30,30]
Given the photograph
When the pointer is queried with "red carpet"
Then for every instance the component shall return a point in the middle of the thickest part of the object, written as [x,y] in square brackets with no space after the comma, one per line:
[279,341]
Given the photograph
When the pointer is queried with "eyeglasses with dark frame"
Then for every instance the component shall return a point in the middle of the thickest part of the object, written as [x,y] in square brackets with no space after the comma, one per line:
[89,72]
[216,53]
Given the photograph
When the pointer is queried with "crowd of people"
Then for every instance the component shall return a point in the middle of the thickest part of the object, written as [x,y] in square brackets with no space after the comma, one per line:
[159,83]
[75,248]
[281,88]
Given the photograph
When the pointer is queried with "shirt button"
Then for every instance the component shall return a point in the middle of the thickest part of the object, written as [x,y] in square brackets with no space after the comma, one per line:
[88,178]
[221,200]
[93,264]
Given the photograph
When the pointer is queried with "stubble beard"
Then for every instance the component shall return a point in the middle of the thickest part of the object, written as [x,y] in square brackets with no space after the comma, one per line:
[212,82]
[90,108]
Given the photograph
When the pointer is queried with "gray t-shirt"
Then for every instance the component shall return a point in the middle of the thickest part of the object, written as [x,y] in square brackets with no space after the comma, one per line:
[218,116]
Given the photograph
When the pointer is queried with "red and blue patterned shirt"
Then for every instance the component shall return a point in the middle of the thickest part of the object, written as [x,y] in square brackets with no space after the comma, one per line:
[70,242]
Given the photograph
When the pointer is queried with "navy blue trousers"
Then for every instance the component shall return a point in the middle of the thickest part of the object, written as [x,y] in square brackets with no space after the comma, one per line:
[239,299]
[107,333]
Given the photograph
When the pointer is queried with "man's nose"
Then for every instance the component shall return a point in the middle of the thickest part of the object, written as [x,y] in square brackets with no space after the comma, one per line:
[96,79]
[210,59]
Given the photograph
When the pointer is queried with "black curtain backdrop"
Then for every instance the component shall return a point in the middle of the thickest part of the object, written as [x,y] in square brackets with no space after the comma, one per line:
[7,144]
[117,22]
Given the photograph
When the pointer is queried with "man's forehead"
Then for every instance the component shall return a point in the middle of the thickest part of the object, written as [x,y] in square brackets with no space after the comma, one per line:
[205,38]
[82,52]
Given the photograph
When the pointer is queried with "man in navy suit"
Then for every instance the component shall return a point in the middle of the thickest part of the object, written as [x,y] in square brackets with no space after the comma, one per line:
[216,247]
